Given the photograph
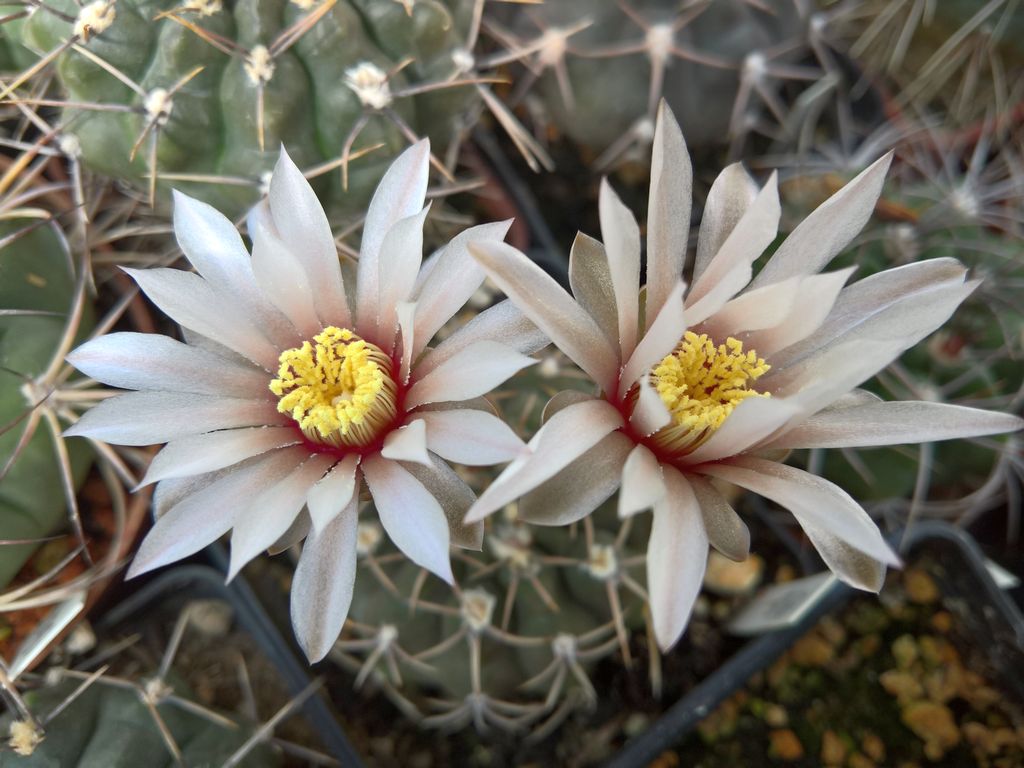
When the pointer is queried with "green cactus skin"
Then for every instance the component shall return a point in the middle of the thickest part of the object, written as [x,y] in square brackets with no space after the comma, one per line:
[211,128]
[34,275]
[111,727]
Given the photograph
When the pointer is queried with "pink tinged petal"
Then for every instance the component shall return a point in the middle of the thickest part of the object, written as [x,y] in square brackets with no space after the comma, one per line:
[322,587]
[471,372]
[453,278]
[754,310]
[282,277]
[455,497]
[649,414]
[401,254]
[470,437]
[661,338]
[257,528]
[817,504]
[405,312]
[169,492]
[154,362]
[817,297]
[215,450]
[590,279]
[731,194]
[412,517]
[731,268]
[668,210]
[621,236]
[825,233]
[642,483]
[190,301]
[400,194]
[726,531]
[751,421]
[677,555]
[580,487]
[148,418]
[408,443]
[503,323]
[212,244]
[555,313]
[566,436]
[562,400]
[879,302]
[303,226]
[332,493]
[207,513]
[893,423]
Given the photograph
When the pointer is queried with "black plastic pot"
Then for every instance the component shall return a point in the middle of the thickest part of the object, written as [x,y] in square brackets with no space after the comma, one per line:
[993,618]
[192,581]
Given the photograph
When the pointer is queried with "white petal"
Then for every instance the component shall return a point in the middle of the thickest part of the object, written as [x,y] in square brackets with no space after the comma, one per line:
[470,372]
[147,418]
[621,236]
[677,555]
[454,277]
[297,531]
[470,437]
[411,516]
[401,254]
[190,301]
[754,310]
[661,338]
[881,302]
[590,279]
[642,483]
[205,515]
[212,243]
[751,421]
[282,276]
[668,210]
[649,414]
[322,587]
[562,400]
[333,492]
[893,423]
[154,362]
[566,436]
[580,487]
[400,194]
[825,233]
[731,268]
[303,226]
[817,297]
[503,323]
[408,443]
[214,450]
[543,301]
[815,502]
[455,497]
[257,528]
[731,194]
[726,531]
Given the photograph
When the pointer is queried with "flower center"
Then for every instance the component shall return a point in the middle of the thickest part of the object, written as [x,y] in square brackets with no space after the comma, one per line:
[338,388]
[701,384]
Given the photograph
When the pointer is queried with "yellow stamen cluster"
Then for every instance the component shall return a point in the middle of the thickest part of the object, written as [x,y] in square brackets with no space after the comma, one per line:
[338,388]
[701,384]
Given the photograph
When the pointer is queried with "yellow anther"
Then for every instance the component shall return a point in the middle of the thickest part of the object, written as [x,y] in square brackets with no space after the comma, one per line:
[701,384]
[338,388]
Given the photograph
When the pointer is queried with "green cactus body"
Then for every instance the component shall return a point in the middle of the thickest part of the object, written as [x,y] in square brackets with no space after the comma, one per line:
[209,125]
[34,276]
[112,727]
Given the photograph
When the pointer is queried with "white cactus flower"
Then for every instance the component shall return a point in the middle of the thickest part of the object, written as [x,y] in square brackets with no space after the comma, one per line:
[287,398]
[721,379]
